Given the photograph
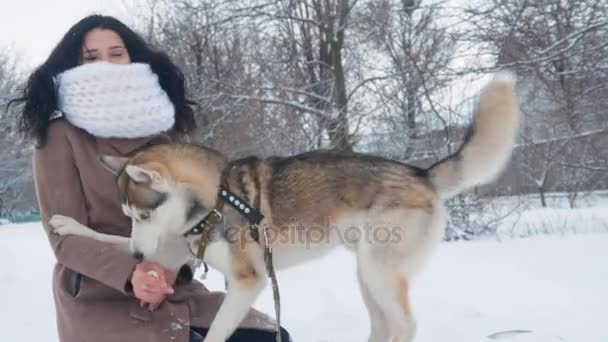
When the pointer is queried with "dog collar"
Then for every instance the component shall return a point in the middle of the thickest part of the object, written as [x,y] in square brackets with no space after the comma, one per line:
[211,220]
[252,215]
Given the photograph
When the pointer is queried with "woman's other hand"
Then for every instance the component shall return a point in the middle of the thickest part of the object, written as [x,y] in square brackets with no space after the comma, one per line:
[152,284]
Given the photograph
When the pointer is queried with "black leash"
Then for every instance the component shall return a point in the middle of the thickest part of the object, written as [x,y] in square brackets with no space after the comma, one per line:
[254,217]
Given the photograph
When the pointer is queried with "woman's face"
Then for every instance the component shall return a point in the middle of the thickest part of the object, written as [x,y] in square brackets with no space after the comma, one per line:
[104,45]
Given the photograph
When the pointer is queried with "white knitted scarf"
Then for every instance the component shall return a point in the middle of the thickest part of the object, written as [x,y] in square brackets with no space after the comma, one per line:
[115,100]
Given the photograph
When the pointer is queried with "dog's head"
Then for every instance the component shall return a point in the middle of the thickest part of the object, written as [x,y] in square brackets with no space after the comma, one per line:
[165,195]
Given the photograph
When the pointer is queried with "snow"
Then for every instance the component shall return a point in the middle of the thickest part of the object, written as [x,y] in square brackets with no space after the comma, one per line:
[541,289]
[542,221]
[520,216]
[27,312]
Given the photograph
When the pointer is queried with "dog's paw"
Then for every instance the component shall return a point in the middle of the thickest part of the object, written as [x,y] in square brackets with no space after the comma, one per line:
[64,225]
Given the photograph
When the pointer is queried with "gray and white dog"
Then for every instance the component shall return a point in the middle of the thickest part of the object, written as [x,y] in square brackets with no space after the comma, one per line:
[312,203]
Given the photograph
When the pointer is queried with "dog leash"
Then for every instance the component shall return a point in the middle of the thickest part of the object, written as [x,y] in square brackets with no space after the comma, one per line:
[273,279]
[254,217]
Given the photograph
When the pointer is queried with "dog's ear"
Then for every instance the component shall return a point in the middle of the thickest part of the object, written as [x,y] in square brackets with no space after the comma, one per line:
[113,164]
[141,174]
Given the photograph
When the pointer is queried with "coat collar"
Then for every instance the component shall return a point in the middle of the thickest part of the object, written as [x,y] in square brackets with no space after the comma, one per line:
[126,147]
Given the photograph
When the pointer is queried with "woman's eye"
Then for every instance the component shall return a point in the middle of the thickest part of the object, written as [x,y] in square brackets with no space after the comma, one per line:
[117,54]
[90,59]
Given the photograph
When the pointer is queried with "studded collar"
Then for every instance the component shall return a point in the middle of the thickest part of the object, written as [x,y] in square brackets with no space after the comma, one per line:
[253,216]
[211,220]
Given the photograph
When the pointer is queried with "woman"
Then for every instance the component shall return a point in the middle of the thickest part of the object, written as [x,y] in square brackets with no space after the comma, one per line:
[104,91]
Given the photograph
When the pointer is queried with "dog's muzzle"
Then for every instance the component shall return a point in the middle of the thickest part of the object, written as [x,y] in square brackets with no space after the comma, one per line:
[139,256]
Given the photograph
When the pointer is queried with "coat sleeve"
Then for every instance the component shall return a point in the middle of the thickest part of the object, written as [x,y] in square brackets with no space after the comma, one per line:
[59,191]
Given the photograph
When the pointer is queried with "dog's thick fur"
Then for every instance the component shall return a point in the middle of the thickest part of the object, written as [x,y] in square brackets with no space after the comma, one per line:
[389,214]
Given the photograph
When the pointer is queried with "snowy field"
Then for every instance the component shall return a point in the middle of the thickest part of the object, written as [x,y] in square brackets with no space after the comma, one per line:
[549,288]
[521,216]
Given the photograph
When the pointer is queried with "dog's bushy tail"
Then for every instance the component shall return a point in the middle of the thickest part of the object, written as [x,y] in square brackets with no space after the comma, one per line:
[487,146]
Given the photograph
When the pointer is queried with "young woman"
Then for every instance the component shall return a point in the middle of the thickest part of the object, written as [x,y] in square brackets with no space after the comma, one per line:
[104,91]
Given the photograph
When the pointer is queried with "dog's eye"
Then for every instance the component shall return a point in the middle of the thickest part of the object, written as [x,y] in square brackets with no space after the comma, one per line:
[144,215]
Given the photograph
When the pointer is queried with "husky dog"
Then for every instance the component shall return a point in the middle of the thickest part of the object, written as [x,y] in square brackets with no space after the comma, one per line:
[389,214]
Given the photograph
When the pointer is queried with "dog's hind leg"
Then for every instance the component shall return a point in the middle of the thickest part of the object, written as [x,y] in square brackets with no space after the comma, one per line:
[406,331]
[378,326]
[389,290]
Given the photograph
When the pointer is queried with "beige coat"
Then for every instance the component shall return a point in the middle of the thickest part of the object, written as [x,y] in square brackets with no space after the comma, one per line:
[90,280]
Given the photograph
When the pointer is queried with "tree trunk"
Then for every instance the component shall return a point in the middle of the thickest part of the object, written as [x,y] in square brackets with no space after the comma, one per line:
[541,191]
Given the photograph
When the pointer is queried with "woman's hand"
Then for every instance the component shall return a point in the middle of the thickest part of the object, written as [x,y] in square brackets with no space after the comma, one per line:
[152,284]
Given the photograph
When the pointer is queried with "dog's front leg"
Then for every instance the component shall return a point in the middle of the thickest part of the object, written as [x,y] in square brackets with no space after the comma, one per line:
[64,225]
[240,296]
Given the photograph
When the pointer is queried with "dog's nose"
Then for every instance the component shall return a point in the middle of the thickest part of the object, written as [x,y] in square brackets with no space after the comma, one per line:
[138,255]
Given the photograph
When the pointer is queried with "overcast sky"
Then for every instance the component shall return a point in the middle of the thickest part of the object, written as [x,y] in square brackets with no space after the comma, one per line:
[34,27]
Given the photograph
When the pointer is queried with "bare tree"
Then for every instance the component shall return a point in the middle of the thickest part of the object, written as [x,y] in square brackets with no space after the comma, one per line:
[304,64]
[223,51]
[559,49]
[318,29]
[15,168]
[418,49]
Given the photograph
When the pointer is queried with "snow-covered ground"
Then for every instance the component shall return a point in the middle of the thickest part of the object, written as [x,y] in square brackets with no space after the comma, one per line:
[522,216]
[554,286]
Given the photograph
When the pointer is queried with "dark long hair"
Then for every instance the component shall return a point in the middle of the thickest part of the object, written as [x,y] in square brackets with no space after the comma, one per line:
[39,96]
